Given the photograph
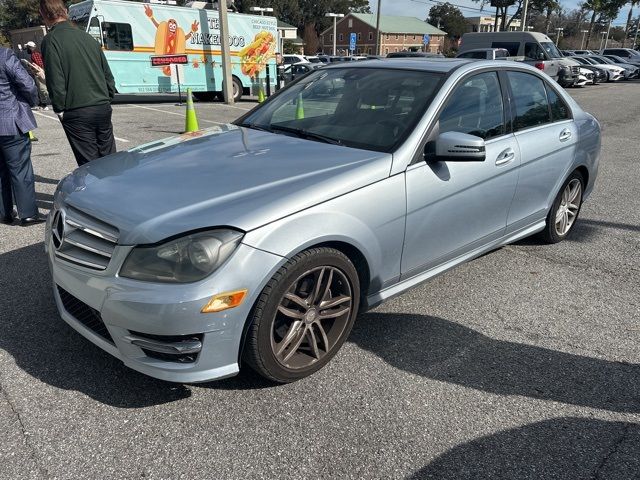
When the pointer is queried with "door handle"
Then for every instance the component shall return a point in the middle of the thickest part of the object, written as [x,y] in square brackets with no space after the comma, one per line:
[505,157]
[565,135]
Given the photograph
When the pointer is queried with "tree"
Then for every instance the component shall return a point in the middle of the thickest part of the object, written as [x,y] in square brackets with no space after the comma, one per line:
[307,15]
[629,22]
[448,18]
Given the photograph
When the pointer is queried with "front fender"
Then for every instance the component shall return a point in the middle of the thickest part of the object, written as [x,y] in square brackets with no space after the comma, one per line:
[370,219]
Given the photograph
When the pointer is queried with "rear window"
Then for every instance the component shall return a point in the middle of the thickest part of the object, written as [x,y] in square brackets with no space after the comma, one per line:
[530,98]
[479,55]
[511,47]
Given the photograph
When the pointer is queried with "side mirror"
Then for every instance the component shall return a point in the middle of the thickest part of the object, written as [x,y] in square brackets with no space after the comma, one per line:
[458,147]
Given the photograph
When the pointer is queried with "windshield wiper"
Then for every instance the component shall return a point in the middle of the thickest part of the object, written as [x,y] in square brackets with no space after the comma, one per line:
[306,134]
[255,126]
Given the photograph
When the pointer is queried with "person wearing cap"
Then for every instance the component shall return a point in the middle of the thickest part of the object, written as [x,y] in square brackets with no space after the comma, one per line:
[79,82]
[17,94]
[36,57]
[36,69]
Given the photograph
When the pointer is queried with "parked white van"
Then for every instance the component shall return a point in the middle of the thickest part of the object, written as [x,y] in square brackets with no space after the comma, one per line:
[535,48]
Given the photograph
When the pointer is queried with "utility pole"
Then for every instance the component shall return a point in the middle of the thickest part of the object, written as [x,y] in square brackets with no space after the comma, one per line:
[335,17]
[227,82]
[524,15]
[582,41]
[608,30]
[378,28]
[559,30]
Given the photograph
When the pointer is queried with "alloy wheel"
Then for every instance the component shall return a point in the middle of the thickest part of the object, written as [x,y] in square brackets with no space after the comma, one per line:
[569,207]
[311,317]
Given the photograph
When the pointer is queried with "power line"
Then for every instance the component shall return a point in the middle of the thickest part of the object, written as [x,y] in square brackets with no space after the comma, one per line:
[462,7]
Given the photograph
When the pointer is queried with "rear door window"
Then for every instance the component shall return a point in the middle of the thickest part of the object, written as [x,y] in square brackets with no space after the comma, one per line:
[530,98]
[559,110]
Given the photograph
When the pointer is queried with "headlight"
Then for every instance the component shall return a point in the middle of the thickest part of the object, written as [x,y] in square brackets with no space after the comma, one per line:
[187,259]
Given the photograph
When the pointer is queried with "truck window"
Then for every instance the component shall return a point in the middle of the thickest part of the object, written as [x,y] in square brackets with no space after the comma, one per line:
[511,47]
[481,55]
[533,51]
[94,29]
[117,36]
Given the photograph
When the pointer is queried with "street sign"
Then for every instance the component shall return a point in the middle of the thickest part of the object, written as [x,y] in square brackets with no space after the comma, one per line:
[352,42]
[164,60]
[425,39]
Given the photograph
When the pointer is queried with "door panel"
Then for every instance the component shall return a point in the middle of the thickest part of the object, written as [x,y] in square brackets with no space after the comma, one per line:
[547,153]
[454,207]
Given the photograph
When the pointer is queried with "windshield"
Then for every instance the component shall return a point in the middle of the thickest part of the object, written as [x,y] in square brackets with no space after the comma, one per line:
[551,50]
[81,22]
[604,60]
[369,108]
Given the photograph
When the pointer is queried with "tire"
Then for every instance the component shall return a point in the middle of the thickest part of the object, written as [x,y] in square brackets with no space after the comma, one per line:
[237,90]
[288,318]
[565,208]
[204,96]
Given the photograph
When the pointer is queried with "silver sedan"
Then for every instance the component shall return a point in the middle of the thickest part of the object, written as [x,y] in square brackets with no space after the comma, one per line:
[258,243]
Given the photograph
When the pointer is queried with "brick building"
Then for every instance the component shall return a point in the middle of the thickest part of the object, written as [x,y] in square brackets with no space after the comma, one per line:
[396,34]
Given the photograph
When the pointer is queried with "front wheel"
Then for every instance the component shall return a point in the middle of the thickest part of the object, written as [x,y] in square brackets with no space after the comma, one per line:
[565,209]
[303,315]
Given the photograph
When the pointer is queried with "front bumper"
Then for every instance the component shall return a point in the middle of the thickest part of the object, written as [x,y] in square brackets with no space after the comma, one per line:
[139,314]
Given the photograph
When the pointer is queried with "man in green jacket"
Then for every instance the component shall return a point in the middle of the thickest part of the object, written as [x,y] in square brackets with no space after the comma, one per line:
[80,84]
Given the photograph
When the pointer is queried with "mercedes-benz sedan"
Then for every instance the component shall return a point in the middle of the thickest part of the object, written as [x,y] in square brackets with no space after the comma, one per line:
[258,243]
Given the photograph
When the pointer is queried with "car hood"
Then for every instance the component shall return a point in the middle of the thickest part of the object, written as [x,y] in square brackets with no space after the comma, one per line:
[223,176]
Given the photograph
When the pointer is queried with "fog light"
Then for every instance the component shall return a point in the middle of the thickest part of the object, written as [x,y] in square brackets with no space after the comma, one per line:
[224,301]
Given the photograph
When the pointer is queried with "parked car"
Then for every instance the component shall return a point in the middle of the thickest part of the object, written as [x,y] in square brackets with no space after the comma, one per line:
[408,54]
[614,73]
[598,74]
[289,59]
[291,72]
[259,243]
[630,71]
[324,58]
[627,53]
[584,52]
[485,54]
[624,62]
[312,59]
[533,48]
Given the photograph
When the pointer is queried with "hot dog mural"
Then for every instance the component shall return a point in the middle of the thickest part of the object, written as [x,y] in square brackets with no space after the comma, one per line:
[170,38]
[254,57]
[147,30]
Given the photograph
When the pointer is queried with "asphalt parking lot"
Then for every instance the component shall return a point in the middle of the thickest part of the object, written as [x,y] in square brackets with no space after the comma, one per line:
[523,364]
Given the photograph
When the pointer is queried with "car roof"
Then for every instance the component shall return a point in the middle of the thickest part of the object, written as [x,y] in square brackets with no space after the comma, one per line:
[440,65]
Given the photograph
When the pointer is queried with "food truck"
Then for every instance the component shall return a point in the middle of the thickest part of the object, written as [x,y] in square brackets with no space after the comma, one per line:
[133,33]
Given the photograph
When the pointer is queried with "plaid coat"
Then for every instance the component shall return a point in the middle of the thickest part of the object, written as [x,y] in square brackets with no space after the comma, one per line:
[18,93]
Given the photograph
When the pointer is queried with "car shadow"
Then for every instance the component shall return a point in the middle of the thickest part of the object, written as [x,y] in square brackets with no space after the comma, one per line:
[45,347]
[567,448]
[449,352]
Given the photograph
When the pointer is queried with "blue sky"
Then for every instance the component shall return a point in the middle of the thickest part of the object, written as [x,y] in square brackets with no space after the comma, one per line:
[420,8]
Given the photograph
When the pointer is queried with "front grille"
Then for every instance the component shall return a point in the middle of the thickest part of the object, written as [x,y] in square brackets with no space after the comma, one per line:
[82,239]
[170,357]
[83,313]
[575,69]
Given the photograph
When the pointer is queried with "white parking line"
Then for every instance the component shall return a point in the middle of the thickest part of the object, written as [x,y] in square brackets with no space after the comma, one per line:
[55,119]
[174,113]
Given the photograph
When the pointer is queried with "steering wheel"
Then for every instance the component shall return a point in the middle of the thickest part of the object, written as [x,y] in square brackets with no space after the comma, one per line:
[397,125]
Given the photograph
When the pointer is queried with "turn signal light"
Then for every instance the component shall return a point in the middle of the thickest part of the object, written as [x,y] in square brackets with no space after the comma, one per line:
[224,301]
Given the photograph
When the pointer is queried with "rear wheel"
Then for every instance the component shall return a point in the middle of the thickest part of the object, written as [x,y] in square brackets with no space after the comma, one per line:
[303,315]
[237,90]
[565,209]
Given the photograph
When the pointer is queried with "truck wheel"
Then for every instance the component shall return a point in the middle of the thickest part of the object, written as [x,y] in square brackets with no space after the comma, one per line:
[237,90]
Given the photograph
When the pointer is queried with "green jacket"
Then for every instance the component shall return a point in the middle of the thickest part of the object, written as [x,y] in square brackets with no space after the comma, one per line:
[76,70]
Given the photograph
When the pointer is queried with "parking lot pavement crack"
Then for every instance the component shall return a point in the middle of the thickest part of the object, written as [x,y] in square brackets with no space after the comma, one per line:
[610,453]
[43,473]
[580,266]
